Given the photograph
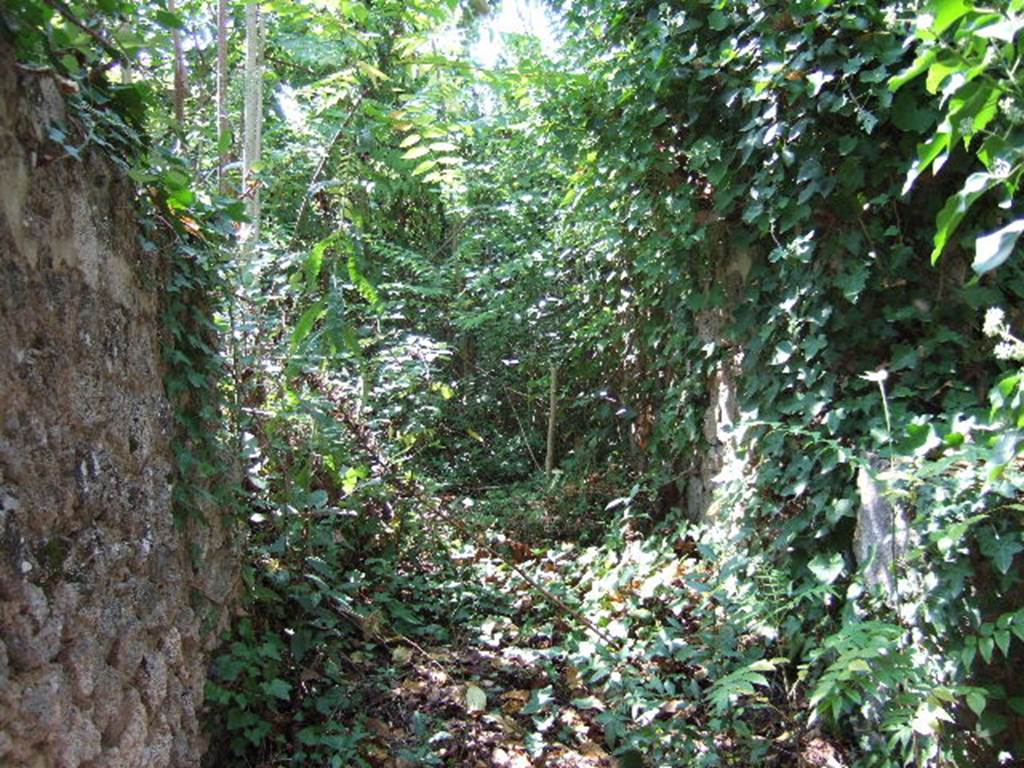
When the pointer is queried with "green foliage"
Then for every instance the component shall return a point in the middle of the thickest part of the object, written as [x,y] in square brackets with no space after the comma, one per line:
[710,218]
[740,682]
[970,56]
[190,237]
[866,667]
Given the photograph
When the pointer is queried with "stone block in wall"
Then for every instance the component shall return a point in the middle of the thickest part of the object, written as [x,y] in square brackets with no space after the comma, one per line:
[720,461]
[881,537]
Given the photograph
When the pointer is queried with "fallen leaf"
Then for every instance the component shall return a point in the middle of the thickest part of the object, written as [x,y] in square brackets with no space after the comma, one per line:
[378,728]
[573,680]
[504,722]
[593,751]
[413,685]
[437,677]
[476,699]
[513,701]
[672,706]
[376,752]
[503,758]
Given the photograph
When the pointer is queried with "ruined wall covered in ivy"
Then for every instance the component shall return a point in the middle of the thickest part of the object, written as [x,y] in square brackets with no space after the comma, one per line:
[105,606]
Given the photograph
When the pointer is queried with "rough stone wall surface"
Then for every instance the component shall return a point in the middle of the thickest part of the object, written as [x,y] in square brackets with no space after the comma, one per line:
[881,538]
[102,640]
[720,463]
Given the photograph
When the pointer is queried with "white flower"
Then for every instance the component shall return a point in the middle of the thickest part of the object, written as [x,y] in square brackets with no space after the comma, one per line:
[1013,112]
[1009,350]
[876,376]
[993,322]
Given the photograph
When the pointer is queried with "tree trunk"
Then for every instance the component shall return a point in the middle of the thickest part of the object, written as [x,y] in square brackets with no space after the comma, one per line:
[180,73]
[253,125]
[549,458]
[223,127]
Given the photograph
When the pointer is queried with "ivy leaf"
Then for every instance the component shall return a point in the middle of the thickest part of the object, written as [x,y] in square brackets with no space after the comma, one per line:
[990,251]
[908,115]
[239,719]
[278,688]
[976,701]
[1005,30]
[539,701]
[946,13]
[985,646]
[1000,548]
[956,207]
[1002,638]
[168,20]
[827,568]
[920,64]
[852,283]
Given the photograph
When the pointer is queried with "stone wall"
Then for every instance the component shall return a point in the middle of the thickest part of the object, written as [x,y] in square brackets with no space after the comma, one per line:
[106,609]
[720,462]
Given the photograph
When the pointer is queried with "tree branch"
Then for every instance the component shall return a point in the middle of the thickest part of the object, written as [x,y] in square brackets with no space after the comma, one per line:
[111,48]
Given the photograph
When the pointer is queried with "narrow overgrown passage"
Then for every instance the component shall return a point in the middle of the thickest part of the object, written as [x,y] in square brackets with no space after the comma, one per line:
[460,652]
[588,383]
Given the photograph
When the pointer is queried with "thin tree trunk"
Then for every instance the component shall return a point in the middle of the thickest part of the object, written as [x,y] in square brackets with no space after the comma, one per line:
[180,73]
[223,127]
[549,458]
[252,145]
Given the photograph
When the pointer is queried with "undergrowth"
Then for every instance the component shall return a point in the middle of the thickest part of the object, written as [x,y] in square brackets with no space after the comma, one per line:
[698,649]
